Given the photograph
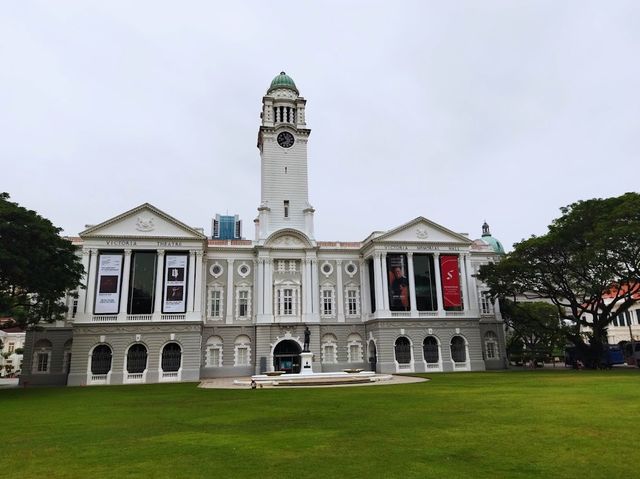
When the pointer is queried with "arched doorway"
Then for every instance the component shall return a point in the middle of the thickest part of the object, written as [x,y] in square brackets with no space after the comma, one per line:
[286,356]
[373,355]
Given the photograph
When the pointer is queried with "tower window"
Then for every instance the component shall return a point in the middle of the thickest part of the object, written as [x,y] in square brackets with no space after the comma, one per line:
[286,208]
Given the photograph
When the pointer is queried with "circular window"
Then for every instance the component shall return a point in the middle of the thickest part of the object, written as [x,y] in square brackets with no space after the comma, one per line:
[216,270]
[244,270]
[326,268]
[351,268]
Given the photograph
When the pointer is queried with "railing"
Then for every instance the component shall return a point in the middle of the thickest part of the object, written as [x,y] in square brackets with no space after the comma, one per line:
[107,318]
[434,366]
[139,317]
[404,366]
[173,317]
[460,366]
[135,377]
[427,314]
[454,313]
[99,378]
[400,314]
[170,376]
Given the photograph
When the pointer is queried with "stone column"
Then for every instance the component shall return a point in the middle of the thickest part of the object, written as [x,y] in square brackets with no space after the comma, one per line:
[124,287]
[229,311]
[385,280]
[471,288]
[340,292]
[82,292]
[377,280]
[91,281]
[465,290]
[197,295]
[191,281]
[412,286]
[439,296]
[157,308]
[365,303]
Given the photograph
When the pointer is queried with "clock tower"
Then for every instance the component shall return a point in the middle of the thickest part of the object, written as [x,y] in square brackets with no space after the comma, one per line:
[282,140]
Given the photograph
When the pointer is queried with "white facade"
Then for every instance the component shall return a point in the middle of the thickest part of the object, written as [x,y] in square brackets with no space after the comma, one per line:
[11,358]
[165,303]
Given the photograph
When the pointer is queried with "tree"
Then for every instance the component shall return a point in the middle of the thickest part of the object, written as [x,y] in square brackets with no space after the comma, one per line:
[37,266]
[587,266]
[536,330]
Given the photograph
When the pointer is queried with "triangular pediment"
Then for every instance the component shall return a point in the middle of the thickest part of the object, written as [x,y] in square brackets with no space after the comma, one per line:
[424,231]
[144,221]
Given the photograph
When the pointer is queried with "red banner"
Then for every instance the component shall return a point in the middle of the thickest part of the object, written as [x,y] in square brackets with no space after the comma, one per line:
[450,275]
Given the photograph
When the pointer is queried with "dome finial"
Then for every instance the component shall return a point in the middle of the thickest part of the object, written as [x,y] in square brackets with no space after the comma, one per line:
[485,229]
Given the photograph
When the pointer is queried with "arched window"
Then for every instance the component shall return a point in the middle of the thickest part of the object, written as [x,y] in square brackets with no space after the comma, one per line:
[354,348]
[214,352]
[243,351]
[42,356]
[458,349]
[431,350]
[136,359]
[329,349]
[101,359]
[491,345]
[403,350]
[171,357]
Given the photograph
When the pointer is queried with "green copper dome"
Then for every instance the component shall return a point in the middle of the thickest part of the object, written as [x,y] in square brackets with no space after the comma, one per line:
[283,81]
[496,246]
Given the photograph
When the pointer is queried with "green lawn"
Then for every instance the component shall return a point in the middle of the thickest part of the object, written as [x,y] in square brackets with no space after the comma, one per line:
[547,424]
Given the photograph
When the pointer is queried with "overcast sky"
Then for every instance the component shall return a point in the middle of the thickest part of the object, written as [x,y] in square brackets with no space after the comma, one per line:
[456,111]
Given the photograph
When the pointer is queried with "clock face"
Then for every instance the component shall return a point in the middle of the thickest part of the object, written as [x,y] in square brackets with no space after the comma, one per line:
[285,139]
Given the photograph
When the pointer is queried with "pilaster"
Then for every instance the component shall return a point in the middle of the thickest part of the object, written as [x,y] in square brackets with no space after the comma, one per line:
[340,292]
[229,310]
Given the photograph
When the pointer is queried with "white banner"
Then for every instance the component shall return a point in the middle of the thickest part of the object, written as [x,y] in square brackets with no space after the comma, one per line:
[109,281]
[175,283]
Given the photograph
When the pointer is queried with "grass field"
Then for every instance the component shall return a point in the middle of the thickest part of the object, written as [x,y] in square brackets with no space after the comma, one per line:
[546,424]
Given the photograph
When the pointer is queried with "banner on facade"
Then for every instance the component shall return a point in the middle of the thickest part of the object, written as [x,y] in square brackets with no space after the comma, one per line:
[450,274]
[397,274]
[109,282]
[175,283]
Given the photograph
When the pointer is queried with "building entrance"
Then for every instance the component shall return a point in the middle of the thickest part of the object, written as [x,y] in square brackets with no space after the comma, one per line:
[286,357]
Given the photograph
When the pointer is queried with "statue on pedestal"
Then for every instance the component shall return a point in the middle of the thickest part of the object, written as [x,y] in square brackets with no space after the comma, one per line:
[307,335]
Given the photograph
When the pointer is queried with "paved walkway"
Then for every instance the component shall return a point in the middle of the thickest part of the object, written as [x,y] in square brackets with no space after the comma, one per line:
[227,383]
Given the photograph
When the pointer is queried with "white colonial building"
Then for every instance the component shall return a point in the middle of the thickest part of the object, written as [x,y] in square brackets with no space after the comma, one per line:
[163,302]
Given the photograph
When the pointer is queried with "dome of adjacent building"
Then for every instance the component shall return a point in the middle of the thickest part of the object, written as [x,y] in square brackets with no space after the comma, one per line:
[283,81]
[496,246]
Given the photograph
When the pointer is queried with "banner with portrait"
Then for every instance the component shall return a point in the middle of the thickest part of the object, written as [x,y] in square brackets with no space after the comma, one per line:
[397,275]
[175,283]
[107,300]
[450,274]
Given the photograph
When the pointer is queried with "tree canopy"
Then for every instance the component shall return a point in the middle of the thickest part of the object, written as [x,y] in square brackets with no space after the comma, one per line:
[37,266]
[587,266]
[536,330]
